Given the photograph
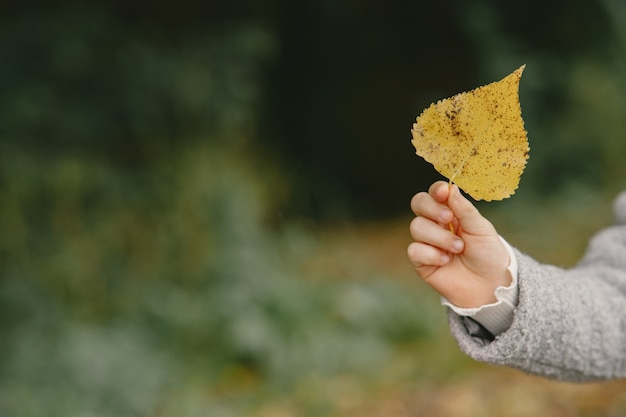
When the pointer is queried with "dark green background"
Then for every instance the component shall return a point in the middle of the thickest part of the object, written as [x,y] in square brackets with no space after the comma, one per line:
[335,85]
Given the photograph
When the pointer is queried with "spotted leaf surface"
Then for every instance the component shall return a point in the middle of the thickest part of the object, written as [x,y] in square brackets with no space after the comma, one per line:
[477,139]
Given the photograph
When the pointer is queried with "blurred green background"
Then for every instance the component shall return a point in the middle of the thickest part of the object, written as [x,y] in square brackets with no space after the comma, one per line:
[204,205]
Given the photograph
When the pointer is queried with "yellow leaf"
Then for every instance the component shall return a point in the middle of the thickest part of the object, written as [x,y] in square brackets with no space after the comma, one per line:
[477,139]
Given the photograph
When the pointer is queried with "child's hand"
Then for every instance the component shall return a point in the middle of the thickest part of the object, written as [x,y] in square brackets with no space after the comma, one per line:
[465,266]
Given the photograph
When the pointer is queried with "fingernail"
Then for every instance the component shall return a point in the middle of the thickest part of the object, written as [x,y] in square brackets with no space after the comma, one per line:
[457,245]
[445,259]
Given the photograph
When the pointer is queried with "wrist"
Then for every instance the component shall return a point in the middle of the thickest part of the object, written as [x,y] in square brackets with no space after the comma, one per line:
[503,275]
[498,316]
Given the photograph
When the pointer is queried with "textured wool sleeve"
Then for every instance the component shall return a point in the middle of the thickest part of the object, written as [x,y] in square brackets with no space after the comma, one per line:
[569,324]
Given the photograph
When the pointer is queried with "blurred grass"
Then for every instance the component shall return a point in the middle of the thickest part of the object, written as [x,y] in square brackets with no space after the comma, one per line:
[170,292]
[124,291]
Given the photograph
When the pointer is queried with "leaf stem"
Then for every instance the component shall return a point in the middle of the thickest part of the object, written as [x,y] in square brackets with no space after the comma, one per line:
[450,225]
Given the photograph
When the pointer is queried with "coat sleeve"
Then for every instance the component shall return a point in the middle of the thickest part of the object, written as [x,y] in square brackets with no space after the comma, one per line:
[569,324]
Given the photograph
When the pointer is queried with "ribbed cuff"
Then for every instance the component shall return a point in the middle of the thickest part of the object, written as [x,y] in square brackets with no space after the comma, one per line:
[496,317]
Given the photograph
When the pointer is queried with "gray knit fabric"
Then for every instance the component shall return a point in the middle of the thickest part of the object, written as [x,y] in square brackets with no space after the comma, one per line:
[569,324]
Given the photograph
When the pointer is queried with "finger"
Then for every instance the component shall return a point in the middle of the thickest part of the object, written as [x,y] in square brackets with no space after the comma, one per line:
[426,231]
[424,204]
[468,216]
[439,190]
[426,259]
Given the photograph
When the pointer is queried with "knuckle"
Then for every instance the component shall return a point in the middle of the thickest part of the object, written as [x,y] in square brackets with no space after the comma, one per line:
[417,202]
[412,253]
[418,255]
[435,186]
[463,206]
[416,227]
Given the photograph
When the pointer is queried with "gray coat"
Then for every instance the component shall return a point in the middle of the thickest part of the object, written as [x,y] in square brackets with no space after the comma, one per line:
[569,324]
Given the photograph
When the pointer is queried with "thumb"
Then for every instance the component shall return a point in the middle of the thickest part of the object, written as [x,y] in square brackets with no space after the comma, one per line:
[469,218]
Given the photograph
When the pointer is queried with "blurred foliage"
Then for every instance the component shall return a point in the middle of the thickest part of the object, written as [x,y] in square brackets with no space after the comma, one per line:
[119,288]
[160,166]
[84,80]
[130,283]
[330,88]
